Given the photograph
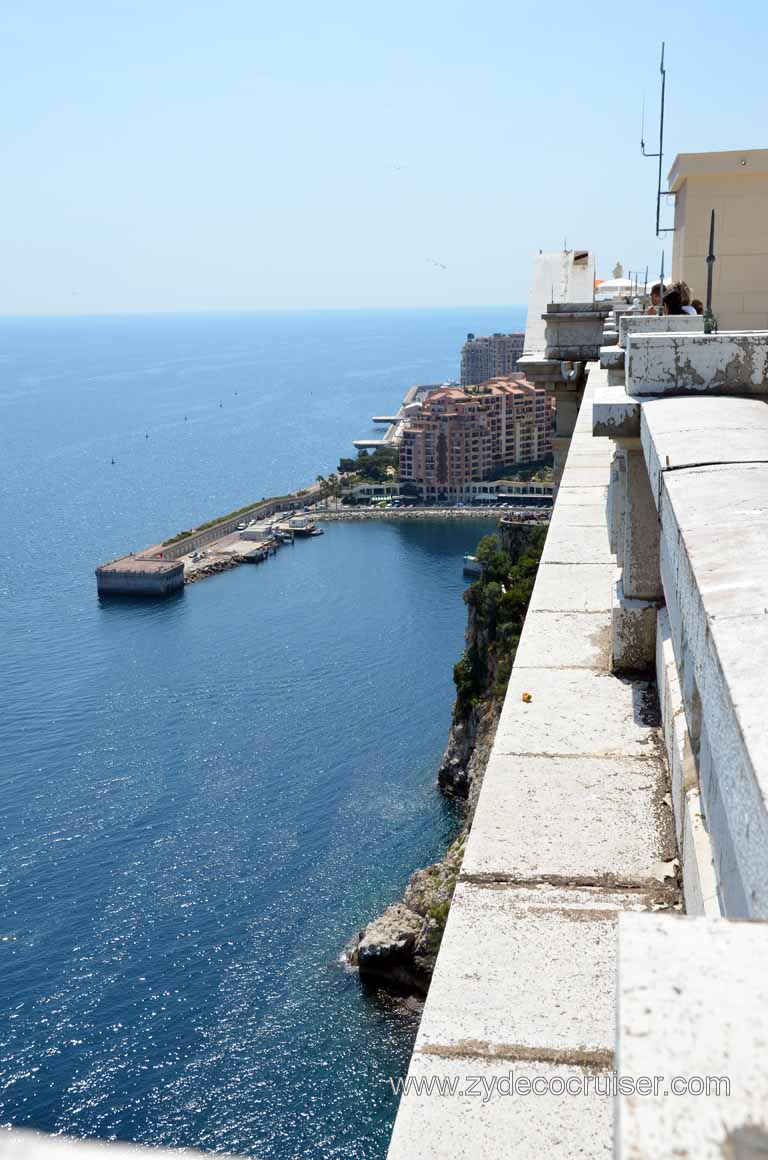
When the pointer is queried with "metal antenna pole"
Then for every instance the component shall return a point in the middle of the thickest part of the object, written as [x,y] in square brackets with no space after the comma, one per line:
[661,285]
[710,322]
[661,137]
[660,155]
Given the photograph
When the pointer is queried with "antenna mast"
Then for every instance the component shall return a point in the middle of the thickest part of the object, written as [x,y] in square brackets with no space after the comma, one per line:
[659,192]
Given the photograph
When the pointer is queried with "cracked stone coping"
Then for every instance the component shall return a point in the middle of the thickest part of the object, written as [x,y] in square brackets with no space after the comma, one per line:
[615,414]
[692,1001]
[714,567]
[576,712]
[708,464]
[684,324]
[680,433]
[529,971]
[729,362]
[586,820]
[612,357]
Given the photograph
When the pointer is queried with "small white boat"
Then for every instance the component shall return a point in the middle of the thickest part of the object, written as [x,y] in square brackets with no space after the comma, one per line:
[472,566]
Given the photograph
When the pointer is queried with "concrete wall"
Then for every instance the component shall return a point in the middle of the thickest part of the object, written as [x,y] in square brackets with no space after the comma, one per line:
[735,185]
[200,539]
[133,583]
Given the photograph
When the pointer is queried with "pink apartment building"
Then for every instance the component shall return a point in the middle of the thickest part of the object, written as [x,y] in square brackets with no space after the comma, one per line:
[462,434]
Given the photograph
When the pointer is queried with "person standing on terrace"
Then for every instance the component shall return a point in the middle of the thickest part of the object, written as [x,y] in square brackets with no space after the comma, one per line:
[655,299]
[673,303]
[685,296]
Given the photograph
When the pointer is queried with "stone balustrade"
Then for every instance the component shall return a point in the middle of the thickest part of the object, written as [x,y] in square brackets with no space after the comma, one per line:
[689,520]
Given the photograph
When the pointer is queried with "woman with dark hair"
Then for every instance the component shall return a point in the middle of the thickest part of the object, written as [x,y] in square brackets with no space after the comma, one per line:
[673,302]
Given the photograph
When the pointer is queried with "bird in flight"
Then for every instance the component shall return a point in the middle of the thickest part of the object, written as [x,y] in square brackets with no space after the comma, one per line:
[435,263]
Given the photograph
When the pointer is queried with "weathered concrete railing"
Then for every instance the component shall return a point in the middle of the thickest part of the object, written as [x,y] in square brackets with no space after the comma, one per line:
[688,509]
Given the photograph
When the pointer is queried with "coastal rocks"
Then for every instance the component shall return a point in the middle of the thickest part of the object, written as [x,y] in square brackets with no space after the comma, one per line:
[421,513]
[400,947]
[452,775]
[212,569]
[385,951]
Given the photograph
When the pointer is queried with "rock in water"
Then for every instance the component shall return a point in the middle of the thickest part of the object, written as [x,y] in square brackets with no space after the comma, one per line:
[385,951]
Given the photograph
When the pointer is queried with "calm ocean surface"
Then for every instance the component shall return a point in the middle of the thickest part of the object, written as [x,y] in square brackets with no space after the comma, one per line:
[204,798]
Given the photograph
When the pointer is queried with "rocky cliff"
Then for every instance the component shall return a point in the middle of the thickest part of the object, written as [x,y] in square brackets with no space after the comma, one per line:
[398,949]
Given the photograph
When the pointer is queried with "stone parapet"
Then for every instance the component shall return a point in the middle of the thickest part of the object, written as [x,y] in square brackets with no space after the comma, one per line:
[725,363]
[699,502]
[659,324]
[573,827]
[574,331]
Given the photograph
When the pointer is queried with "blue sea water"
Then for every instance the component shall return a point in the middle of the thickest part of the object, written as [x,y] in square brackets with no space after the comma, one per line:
[204,798]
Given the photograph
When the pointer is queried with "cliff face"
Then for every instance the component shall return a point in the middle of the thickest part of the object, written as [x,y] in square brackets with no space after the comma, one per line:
[399,948]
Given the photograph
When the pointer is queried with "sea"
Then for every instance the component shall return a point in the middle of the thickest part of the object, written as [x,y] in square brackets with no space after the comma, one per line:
[205,798]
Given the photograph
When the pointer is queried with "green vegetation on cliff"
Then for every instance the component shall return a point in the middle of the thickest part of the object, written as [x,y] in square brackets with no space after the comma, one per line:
[497,604]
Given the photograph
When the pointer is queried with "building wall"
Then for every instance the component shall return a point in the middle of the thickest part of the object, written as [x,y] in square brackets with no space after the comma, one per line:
[133,583]
[489,356]
[735,185]
[461,436]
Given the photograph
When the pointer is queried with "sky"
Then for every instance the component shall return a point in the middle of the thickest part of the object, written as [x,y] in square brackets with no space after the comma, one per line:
[244,155]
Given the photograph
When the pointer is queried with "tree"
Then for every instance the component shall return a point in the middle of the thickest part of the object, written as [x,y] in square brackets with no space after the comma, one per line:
[333,484]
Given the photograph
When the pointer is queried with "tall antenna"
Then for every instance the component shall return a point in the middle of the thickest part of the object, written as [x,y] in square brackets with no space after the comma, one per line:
[659,192]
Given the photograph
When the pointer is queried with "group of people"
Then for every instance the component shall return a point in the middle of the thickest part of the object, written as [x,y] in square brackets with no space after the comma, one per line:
[677,300]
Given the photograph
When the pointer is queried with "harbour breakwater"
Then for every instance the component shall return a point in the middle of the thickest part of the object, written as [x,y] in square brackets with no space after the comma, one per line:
[420,513]
[398,949]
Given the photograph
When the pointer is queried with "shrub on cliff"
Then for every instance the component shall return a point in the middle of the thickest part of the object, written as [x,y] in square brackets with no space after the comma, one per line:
[499,601]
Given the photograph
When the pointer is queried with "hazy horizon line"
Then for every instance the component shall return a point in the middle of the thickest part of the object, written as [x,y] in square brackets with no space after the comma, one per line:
[8,317]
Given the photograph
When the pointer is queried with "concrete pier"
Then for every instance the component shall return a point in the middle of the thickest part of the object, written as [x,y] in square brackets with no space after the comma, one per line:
[140,576]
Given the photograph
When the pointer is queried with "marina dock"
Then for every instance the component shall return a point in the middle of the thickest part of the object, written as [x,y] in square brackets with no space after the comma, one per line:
[250,536]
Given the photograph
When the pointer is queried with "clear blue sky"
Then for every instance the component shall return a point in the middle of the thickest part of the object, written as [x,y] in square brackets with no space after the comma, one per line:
[238,154]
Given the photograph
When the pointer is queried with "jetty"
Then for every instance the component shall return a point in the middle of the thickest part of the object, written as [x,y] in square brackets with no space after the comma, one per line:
[250,536]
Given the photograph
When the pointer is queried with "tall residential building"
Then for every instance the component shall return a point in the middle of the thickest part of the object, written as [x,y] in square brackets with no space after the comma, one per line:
[462,434]
[490,356]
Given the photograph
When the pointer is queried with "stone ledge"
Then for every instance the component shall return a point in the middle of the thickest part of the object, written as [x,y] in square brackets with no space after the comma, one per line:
[659,324]
[692,1002]
[484,1126]
[564,640]
[578,588]
[543,818]
[526,969]
[677,433]
[615,414]
[577,713]
[714,565]
[612,358]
